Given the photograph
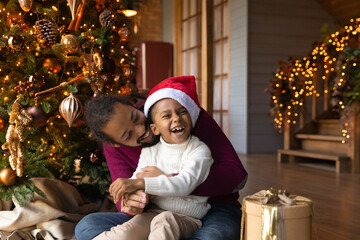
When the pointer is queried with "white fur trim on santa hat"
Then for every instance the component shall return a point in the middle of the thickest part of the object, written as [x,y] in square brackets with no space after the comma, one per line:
[180,96]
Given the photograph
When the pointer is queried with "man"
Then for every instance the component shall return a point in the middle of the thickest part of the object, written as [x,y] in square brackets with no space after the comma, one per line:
[124,130]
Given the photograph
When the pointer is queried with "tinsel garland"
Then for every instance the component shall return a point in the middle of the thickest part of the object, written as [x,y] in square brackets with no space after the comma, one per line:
[18,120]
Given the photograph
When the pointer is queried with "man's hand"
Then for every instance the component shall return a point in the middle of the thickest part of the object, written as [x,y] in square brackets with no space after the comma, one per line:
[134,203]
[150,171]
[122,186]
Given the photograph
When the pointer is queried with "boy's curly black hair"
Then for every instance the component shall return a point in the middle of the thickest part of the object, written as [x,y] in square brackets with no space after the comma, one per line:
[98,112]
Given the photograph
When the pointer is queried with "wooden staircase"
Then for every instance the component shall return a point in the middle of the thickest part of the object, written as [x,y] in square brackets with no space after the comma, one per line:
[321,139]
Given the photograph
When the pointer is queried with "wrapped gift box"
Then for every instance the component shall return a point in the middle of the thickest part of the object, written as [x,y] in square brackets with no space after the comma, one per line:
[269,216]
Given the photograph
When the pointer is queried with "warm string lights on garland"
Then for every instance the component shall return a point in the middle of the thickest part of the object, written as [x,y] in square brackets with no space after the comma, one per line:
[290,85]
[335,62]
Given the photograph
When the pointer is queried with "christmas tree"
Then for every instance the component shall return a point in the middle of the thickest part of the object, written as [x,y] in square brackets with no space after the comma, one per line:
[54,56]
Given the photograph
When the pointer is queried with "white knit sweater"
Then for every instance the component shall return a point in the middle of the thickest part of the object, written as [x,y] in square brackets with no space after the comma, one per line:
[191,162]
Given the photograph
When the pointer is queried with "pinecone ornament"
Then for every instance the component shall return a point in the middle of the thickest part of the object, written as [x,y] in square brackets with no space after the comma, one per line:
[109,19]
[46,32]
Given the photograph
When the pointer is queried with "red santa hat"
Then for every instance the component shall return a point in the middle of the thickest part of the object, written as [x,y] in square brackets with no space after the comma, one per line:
[181,89]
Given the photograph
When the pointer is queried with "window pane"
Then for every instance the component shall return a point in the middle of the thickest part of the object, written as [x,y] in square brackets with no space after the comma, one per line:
[225,93]
[193,8]
[216,117]
[193,32]
[184,61]
[193,62]
[185,8]
[185,32]
[217,58]
[225,52]
[226,24]
[217,23]
[217,93]
[198,63]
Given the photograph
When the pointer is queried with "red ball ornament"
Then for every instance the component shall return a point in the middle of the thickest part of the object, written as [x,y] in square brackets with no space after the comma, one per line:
[7,176]
[129,88]
[1,124]
[16,18]
[53,64]
[39,117]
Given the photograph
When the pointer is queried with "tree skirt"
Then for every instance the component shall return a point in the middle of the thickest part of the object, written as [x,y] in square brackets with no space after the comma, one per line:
[51,218]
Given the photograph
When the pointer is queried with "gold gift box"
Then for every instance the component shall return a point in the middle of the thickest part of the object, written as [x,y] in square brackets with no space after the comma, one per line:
[276,220]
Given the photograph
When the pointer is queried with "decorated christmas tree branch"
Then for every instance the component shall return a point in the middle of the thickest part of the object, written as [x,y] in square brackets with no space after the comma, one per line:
[59,87]
[36,52]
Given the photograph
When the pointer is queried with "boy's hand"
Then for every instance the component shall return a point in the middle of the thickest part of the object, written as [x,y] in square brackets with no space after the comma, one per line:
[134,203]
[150,171]
[122,186]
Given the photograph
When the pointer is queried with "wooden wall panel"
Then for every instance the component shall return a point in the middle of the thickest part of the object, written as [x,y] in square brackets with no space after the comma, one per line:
[238,75]
[277,30]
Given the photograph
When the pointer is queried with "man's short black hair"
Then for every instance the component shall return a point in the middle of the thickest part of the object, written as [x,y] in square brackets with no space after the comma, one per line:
[98,112]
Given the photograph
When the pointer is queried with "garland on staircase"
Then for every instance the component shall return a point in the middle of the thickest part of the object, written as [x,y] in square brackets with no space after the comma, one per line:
[336,60]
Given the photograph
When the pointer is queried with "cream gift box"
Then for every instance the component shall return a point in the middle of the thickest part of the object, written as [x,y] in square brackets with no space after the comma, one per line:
[272,215]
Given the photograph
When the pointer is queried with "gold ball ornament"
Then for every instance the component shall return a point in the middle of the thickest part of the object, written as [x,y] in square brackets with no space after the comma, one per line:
[70,109]
[26,4]
[124,33]
[16,42]
[7,176]
[96,156]
[53,64]
[70,43]
[127,70]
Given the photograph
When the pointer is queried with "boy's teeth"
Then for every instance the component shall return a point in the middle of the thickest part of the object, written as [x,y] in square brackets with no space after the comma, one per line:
[177,129]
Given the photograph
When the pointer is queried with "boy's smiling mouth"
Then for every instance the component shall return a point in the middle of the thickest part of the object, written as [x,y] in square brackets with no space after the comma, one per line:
[178,130]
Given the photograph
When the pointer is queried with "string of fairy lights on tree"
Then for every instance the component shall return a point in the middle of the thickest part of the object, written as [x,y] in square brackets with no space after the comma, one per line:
[54,56]
[335,60]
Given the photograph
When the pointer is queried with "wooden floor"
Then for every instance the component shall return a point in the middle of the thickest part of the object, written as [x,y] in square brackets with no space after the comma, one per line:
[336,197]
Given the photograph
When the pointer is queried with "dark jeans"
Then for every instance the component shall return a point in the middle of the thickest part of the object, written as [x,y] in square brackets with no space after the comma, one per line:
[221,222]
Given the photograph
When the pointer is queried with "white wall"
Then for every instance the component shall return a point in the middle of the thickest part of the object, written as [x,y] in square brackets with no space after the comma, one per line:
[238,74]
[278,29]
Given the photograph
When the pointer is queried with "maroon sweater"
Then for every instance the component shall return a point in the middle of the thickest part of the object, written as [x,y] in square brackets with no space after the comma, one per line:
[227,174]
